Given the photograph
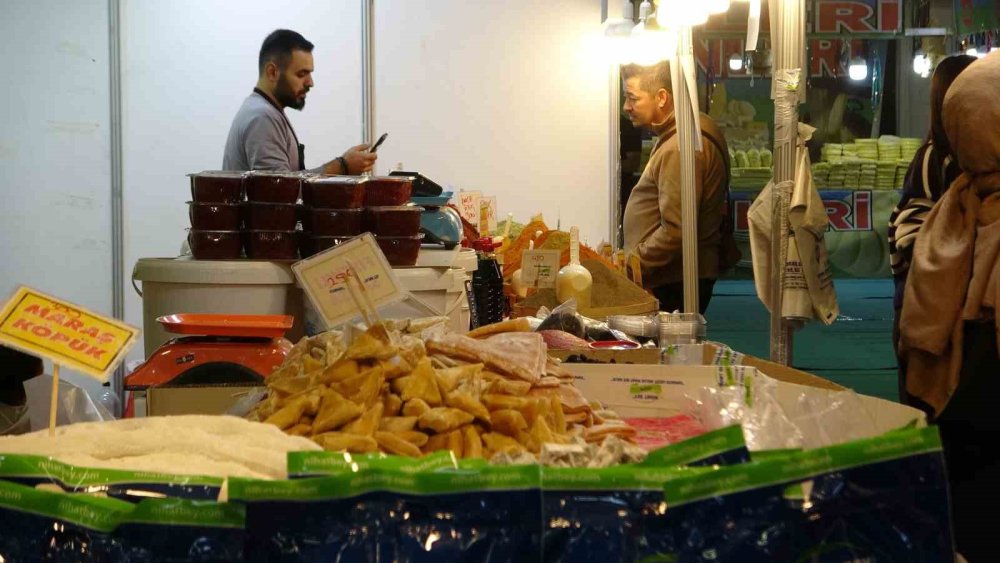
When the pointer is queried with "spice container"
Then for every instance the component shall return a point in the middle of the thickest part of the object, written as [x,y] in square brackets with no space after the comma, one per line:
[270,216]
[217,187]
[332,222]
[273,187]
[214,245]
[334,192]
[388,190]
[393,221]
[214,216]
[272,245]
[400,251]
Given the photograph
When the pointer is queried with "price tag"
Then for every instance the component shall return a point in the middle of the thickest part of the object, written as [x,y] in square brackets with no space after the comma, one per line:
[488,215]
[64,333]
[323,278]
[468,206]
[539,268]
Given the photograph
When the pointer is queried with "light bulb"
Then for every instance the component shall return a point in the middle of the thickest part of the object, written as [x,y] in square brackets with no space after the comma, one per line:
[735,62]
[717,6]
[972,52]
[922,65]
[858,69]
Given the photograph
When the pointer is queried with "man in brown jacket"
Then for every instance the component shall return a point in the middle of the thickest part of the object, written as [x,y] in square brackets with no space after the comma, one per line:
[652,222]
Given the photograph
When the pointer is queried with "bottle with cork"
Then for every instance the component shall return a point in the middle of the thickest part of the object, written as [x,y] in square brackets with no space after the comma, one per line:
[573,280]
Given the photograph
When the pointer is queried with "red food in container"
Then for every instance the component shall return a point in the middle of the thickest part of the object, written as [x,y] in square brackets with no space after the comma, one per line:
[270,216]
[272,245]
[394,221]
[273,187]
[334,192]
[332,222]
[214,216]
[215,245]
[388,190]
[217,187]
[315,245]
[400,251]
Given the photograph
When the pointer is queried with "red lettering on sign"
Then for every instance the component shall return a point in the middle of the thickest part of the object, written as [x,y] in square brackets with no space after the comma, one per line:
[823,54]
[23,324]
[96,352]
[850,17]
[37,309]
[91,332]
[888,15]
[839,213]
[60,337]
[41,331]
[74,324]
[863,211]
[78,345]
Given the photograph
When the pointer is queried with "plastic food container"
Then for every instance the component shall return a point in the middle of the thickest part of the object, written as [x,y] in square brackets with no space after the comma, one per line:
[334,192]
[388,190]
[217,187]
[400,251]
[271,245]
[270,216]
[215,245]
[395,221]
[214,216]
[273,187]
[333,222]
[315,245]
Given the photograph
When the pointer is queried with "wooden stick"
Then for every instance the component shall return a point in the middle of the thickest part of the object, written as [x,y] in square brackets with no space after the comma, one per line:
[358,302]
[372,310]
[53,406]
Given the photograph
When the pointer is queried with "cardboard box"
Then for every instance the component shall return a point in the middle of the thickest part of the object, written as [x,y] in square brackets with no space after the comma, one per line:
[663,391]
[193,399]
[638,356]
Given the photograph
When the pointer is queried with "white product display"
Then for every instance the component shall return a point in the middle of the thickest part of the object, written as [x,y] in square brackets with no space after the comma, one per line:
[240,287]
[574,281]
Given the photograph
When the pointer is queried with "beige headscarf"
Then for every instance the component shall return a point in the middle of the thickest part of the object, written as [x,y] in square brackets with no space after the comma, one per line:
[955,271]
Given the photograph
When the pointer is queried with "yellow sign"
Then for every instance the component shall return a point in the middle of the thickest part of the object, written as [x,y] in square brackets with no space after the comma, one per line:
[64,333]
[323,278]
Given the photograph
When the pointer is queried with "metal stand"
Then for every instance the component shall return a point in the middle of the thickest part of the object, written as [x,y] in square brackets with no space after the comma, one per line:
[368,129]
[688,138]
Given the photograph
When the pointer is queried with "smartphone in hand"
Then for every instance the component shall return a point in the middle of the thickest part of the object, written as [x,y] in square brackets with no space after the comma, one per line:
[378,142]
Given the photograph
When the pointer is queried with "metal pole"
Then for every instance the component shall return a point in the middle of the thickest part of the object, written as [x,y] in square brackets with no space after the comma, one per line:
[368,129]
[789,42]
[614,156]
[686,137]
[117,182]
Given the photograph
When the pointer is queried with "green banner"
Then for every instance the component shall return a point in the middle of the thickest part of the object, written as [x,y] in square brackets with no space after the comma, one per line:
[976,16]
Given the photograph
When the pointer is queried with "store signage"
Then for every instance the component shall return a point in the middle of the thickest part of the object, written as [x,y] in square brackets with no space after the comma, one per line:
[468,206]
[847,210]
[977,16]
[487,215]
[323,278]
[64,333]
[540,267]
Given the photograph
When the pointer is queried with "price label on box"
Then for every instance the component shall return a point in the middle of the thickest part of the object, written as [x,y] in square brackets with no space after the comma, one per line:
[468,206]
[323,278]
[487,215]
[540,267]
[64,333]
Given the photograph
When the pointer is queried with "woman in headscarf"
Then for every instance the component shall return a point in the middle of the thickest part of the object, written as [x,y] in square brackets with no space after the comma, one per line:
[948,323]
[932,170]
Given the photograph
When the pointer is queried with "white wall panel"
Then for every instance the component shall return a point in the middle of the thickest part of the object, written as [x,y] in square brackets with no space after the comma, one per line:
[55,220]
[188,65]
[510,98]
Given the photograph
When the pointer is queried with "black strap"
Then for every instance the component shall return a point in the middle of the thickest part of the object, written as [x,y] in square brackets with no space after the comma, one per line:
[301,148]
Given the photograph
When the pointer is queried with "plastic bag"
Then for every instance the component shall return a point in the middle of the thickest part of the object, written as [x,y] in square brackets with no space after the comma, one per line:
[14,420]
[564,318]
[390,512]
[181,530]
[879,499]
[74,404]
[129,486]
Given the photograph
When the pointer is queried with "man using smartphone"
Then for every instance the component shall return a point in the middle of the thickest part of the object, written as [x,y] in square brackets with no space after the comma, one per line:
[261,137]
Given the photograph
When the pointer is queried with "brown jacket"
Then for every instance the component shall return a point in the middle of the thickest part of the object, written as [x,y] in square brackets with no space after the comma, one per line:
[652,222]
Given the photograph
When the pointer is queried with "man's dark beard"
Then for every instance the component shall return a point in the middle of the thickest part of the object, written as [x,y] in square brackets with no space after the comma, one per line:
[286,97]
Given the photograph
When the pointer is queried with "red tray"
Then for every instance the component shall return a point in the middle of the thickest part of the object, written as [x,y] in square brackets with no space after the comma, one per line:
[263,326]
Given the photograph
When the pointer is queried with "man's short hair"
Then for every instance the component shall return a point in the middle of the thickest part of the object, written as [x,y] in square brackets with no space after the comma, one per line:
[278,47]
[651,78]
